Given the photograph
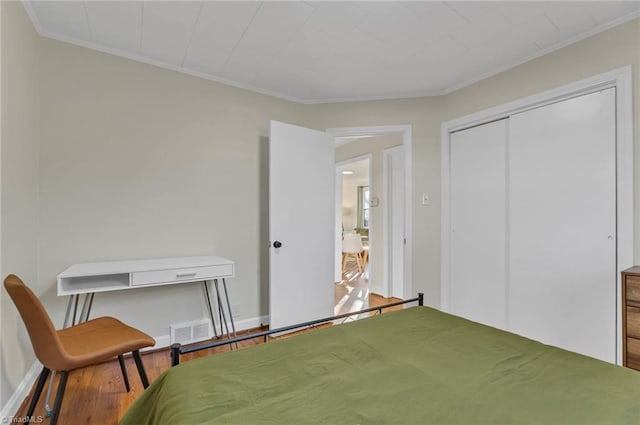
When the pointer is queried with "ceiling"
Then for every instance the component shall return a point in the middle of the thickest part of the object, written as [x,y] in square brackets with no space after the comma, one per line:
[314,52]
[360,171]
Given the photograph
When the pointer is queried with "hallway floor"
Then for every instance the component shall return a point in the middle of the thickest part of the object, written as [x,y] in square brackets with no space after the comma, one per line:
[352,292]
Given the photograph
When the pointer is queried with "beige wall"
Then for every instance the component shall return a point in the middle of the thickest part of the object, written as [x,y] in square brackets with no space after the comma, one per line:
[19,179]
[143,162]
[350,201]
[374,146]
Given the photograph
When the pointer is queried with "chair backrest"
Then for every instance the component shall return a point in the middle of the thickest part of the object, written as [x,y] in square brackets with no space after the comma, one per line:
[44,338]
[352,243]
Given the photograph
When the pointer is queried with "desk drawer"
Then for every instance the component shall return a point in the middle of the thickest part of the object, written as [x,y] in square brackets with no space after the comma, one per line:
[181,275]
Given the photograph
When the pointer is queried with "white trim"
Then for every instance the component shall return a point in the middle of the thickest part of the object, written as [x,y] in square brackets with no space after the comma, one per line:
[139,58]
[368,157]
[22,391]
[413,94]
[386,207]
[386,214]
[406,132]
[601,28]
[621,79]
[340,141]
[338,231]
[162,341]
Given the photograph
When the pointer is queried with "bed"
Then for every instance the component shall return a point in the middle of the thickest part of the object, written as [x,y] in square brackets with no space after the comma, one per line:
[414,366]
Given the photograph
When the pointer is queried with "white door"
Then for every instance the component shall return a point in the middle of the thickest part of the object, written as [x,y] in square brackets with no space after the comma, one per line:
[478,223]
[301,224]
[562,245]
[393,171]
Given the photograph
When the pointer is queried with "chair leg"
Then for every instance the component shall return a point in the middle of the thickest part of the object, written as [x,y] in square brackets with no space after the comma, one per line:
[140,366]
[124,372]
[36,394]
[59,395]
[359,261]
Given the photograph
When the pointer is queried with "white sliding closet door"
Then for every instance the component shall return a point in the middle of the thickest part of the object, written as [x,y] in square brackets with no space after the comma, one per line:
[478,217]
[562,228]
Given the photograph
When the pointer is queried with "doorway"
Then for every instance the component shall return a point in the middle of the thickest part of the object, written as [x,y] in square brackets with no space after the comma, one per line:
[290,254]
[354,218]
[388,271]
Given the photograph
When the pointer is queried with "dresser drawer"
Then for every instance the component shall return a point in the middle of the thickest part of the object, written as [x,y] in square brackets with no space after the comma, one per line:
[633,353]
[633,322]
[183,275]
[633,288]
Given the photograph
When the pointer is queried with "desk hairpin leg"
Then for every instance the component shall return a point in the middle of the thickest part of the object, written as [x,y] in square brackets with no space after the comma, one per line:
[84,316]
[66,315]
[221,311]
[208,301]
[226,295]
[220,316]
[86,307]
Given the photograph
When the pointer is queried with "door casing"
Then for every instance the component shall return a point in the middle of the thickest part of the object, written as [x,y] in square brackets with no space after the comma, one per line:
[406,132]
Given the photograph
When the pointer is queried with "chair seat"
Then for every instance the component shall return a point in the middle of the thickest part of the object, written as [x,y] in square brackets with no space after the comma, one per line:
[71,348]
[98,340]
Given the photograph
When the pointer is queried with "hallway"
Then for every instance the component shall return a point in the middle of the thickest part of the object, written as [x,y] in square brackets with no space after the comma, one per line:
[352,292]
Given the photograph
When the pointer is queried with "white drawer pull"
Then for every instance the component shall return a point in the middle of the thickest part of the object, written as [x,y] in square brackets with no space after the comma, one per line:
[183,275]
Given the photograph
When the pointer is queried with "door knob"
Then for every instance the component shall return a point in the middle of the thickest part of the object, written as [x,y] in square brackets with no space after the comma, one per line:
[277,244]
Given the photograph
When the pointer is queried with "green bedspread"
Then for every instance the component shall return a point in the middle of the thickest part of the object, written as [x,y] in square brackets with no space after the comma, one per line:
[415,366]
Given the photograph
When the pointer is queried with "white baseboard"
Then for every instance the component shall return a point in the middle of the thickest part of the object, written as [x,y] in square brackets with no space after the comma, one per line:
[13,404]
[251,323]
[162,341]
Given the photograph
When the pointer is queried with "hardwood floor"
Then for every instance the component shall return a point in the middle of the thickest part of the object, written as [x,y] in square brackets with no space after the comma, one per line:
[96,395]
[352,292]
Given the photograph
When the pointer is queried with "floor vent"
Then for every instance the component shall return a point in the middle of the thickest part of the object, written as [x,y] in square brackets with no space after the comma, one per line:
[189,332]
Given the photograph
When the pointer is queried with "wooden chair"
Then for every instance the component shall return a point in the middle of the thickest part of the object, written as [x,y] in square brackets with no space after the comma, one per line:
[352,247]
[74,347]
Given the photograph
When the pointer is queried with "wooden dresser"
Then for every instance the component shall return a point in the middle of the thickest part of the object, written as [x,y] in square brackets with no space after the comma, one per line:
[631,318]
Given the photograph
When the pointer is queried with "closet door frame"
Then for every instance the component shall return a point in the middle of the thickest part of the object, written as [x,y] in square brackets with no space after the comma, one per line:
[621,79]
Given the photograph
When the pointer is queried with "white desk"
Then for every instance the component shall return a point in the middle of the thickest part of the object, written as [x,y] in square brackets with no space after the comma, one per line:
[89,278]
